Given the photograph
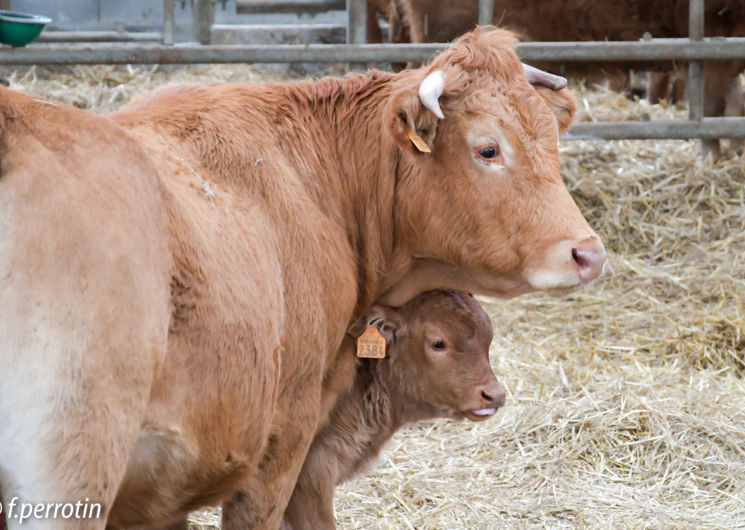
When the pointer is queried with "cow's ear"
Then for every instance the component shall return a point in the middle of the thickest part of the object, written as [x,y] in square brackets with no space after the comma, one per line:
[412,114]
[561,102]
[386,319]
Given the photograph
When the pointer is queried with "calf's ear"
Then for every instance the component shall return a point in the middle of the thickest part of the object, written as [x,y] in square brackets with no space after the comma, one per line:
[561,102]
[386,319]
[412,113]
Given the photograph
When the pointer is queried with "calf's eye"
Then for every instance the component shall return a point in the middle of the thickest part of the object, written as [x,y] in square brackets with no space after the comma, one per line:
[439,345]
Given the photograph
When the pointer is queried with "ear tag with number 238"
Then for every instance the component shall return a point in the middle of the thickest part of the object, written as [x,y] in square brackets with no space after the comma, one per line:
[371,344]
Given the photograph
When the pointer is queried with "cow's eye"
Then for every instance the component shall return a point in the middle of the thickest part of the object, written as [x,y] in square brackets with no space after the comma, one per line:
[439,345]
[487,153]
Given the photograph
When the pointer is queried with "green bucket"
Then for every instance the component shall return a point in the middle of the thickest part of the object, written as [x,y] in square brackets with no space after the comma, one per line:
[18,29]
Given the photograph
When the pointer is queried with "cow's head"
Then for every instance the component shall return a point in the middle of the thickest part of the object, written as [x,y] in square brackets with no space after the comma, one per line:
[438,349]
[479,184]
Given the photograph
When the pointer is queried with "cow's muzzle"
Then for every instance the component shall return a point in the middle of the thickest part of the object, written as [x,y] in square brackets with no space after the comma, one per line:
[566,264]
[589,255]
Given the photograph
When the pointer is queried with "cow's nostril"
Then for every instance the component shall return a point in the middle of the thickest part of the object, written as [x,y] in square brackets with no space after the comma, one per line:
[589,256]
[577,255]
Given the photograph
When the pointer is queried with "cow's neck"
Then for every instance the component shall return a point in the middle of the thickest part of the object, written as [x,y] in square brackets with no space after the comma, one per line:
[374,409]
[358,189]
[365,160]
[370,416]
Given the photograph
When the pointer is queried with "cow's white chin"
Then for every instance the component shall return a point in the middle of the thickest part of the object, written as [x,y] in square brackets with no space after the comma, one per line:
[546,280]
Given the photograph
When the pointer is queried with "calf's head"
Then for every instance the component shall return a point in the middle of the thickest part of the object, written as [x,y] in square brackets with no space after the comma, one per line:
[438,349]
[479,184]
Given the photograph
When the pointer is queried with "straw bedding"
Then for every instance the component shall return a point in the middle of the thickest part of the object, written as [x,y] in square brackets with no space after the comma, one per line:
[626,400]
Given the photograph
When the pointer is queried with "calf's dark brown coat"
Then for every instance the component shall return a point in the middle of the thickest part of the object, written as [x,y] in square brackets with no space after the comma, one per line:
[437,365]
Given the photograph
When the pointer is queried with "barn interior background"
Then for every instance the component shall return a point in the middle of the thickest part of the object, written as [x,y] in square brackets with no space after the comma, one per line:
[626,401]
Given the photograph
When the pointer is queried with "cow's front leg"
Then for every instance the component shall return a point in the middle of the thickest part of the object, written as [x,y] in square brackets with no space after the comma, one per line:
[261,504]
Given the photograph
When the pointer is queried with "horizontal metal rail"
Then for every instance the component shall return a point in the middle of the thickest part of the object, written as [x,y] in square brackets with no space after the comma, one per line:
[288,6]
[128,53]
[646,50]
[658,129]
[99,36]
[655,49]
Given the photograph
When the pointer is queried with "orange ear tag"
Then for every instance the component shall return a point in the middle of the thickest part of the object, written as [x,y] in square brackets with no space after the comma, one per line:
[371,344]
[417,140]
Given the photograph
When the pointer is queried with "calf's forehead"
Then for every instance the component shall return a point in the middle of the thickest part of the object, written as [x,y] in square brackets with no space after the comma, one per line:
[459,316]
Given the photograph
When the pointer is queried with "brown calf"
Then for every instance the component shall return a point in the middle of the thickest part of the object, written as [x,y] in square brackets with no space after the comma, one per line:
[437,365]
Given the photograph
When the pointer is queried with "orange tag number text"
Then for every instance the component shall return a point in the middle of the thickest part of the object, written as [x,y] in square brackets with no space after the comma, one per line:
[371,344]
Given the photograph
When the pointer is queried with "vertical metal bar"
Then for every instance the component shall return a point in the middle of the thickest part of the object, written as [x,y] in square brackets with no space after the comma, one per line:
[169,15]
[203,16]
[695,68]
[356,27]
[486,12]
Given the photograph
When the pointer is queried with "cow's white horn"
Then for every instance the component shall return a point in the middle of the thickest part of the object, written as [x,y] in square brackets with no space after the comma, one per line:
[539,77]
[430,91]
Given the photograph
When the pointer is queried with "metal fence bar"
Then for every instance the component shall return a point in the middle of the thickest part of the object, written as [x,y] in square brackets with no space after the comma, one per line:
[288,6]
[99,36]
[135,53]
[646,50]
[695,68]
[486,12]
[203,16]
[658,129]
[356,27]
[169,20]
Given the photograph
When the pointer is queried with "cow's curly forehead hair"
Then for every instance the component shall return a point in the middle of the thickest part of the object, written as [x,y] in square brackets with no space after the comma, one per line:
[487,52]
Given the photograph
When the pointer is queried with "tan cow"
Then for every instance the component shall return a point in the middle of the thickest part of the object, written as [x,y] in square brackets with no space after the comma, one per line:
[176,279]
[583,20]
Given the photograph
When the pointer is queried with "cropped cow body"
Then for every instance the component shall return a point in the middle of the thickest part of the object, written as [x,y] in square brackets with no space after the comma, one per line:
[176,278]
[437,365]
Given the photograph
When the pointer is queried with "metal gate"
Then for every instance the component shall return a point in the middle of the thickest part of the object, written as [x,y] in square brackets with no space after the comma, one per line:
[693,50]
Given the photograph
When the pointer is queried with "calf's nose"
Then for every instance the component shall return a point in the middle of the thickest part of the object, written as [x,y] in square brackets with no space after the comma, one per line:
[589,255]
[494,394]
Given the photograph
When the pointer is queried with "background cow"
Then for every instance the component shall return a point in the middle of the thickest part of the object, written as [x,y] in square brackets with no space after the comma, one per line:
[581,20]
[181,273]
